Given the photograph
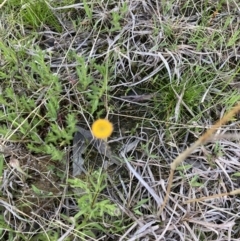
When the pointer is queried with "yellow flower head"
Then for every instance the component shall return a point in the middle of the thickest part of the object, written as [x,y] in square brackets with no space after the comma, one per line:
[102,128]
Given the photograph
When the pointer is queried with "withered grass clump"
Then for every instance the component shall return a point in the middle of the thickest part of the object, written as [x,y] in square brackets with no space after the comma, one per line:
[207,136]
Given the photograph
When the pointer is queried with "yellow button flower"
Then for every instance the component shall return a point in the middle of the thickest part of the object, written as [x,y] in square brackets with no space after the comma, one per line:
[102,128]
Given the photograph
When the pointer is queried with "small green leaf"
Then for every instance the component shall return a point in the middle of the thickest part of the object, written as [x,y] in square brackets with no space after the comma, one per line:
[36,190]
[236,174]
[184,167]
[194,182]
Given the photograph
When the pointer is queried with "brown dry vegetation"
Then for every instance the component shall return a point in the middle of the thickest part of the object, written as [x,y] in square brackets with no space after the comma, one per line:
[163,72]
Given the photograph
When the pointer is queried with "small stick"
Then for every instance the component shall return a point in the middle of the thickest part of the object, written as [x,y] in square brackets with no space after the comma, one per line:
[234,192]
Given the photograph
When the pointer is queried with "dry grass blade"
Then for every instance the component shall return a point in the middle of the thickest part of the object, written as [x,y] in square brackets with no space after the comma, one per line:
[234,192]
[149,189]
[1,5]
